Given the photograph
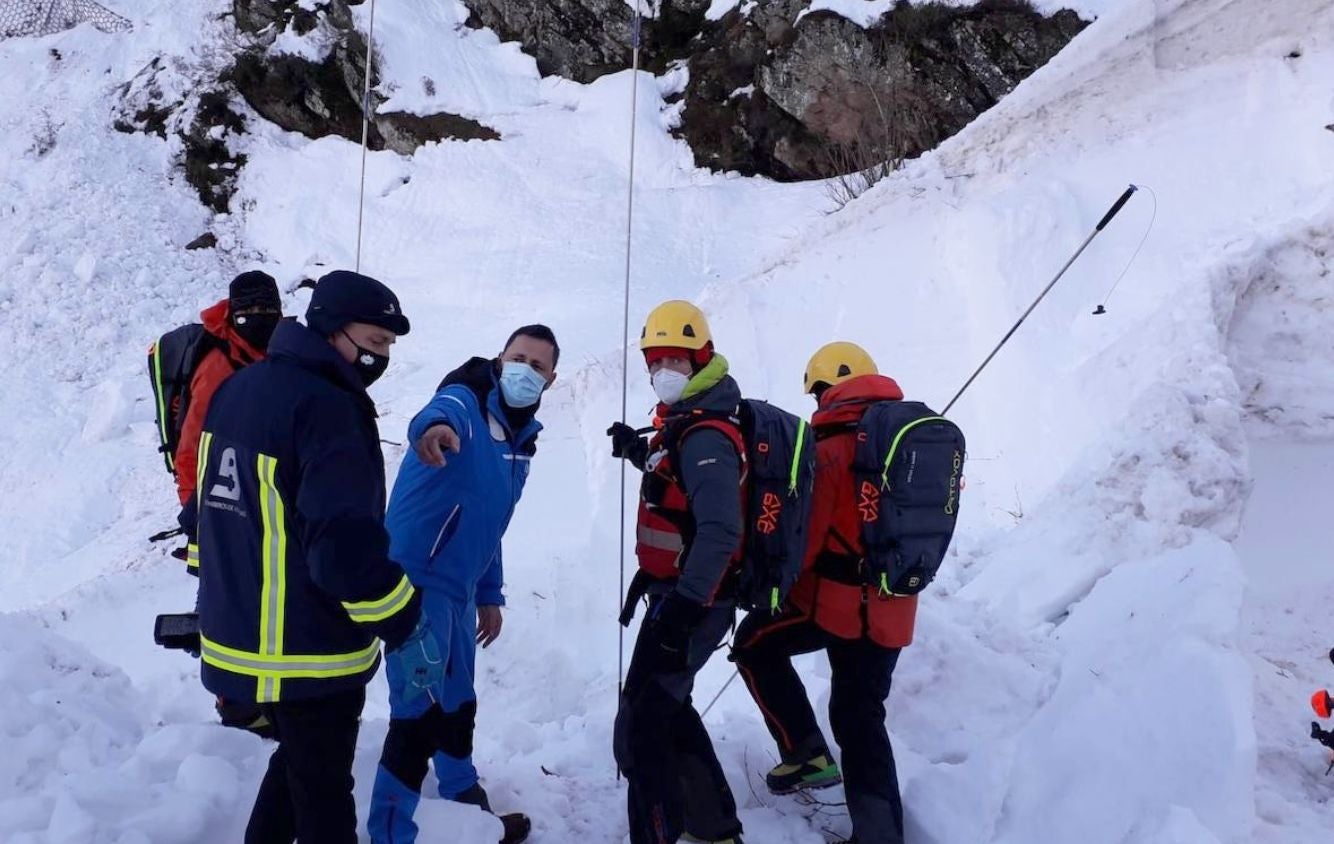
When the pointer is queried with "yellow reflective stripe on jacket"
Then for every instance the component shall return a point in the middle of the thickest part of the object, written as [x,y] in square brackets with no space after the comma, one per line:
[381,608]
[288,666]
[273,592]
[192,551]
[201,467]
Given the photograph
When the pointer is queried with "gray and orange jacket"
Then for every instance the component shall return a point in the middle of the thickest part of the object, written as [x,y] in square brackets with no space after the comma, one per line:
[689,529]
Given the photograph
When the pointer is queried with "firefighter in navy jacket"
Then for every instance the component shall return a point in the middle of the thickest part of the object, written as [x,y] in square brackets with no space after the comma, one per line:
[296,585]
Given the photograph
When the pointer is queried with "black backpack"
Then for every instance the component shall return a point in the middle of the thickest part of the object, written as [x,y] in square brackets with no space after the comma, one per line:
[172,361]
[780,451]
[908,468]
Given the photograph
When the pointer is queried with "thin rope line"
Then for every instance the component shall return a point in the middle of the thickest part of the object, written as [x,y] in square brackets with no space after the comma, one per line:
[365,132]
[625,342]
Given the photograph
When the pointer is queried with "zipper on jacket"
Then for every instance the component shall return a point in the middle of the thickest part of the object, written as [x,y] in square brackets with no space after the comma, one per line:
[440,537]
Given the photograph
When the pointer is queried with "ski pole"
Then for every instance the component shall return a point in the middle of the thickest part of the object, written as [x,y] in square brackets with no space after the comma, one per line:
[729,682]
[635,34]
[1102,224]
[166,534]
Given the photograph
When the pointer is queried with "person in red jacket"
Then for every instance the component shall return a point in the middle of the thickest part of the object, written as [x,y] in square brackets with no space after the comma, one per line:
[239,328]
[833,607]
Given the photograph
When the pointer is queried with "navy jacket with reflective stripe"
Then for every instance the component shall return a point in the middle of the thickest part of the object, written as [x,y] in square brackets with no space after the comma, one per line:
[295,578]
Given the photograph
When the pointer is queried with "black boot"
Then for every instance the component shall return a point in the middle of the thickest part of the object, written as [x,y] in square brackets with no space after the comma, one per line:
[517,825]
[517,828]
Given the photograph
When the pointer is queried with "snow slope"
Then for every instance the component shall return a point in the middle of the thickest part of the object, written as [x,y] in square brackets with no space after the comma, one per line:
[1096,661]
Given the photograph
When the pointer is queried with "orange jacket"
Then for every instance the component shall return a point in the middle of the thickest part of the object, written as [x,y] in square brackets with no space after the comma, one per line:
[832,586]
[231,352]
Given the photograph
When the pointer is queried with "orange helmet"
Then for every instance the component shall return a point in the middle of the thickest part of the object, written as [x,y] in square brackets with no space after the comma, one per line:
[1322,703]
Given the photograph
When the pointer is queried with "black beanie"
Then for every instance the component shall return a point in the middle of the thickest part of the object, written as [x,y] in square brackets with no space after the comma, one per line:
[254,289]
[341,297]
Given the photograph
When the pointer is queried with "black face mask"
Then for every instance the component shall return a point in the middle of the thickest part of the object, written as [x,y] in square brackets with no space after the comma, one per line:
[256,329]
[368,364]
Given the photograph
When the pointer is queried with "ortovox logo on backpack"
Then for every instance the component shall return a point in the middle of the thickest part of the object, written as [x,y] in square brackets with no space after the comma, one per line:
[868,503]
[171,366]
[908,467]
[771,507]
[779,478]
[781,460]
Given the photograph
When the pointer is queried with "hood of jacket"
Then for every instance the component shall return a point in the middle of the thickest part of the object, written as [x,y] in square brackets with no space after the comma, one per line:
[845,403]
[217,321]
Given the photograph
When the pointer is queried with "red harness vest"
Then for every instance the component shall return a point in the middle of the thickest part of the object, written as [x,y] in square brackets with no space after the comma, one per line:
[666,527]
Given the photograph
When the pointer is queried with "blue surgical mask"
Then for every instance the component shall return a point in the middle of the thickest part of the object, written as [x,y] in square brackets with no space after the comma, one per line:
[521,385]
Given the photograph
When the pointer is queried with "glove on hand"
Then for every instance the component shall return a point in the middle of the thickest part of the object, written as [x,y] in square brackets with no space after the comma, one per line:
[627,444]
[419,657]
[670,626]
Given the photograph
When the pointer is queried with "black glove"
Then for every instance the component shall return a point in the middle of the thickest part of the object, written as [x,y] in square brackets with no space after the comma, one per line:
[670,626]
[188,519]
[627,444]
[1324,737]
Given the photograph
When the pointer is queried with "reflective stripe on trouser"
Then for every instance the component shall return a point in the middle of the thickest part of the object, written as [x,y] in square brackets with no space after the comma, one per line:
[379,609]
[192,556]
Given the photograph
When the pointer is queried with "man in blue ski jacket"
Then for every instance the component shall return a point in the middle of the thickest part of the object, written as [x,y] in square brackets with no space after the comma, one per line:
[454,497]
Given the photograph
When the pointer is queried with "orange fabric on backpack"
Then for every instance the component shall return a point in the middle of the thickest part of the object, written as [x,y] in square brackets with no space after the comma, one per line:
[1321,703]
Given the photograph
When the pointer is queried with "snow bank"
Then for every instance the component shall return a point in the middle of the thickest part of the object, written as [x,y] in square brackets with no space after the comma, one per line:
[1091,601]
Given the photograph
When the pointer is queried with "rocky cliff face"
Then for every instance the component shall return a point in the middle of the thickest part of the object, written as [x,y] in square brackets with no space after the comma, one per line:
[323,97]
[316,93]
[774,89]
[779,91]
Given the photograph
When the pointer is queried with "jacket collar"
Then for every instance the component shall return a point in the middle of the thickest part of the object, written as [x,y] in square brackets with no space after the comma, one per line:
[478,374]
[295,343]
[846,402]
[216,319]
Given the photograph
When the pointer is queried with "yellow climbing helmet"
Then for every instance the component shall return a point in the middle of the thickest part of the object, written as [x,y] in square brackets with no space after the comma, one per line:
[835,363]
[675,324]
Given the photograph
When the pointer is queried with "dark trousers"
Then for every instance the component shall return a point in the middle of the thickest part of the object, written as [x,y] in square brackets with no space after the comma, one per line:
[306,795]
[861,672]
[676,784]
